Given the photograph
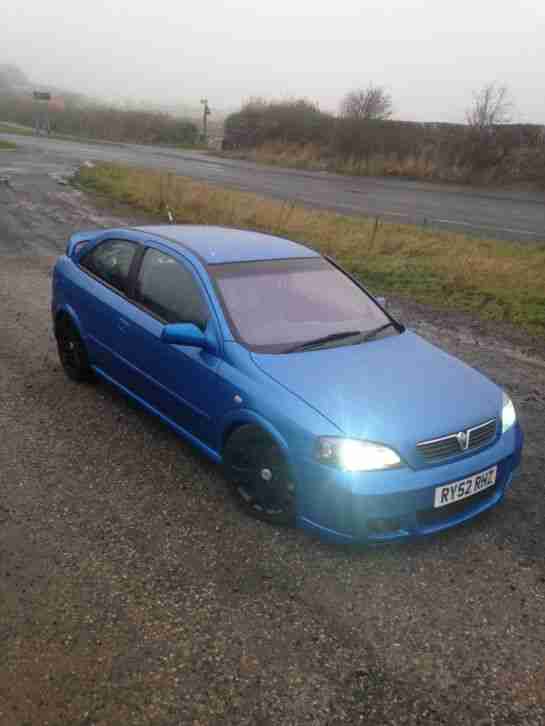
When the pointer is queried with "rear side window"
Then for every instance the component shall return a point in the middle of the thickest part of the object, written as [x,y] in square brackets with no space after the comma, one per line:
[111,261]
[169,290]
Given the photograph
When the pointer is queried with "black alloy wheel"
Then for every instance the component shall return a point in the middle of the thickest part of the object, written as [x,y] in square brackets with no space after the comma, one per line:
[72,353]
[259,476]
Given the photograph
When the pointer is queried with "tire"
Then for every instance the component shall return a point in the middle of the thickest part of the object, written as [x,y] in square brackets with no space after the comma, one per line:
[258,474]
[72,353]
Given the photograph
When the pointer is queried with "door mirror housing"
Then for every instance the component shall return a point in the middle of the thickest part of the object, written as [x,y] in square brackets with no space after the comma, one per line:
[186,334]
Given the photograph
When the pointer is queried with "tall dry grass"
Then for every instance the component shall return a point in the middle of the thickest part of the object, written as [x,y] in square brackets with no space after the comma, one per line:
[423,165]
[496,279]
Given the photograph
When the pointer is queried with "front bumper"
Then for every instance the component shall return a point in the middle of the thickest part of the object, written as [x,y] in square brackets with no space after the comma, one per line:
[397,504]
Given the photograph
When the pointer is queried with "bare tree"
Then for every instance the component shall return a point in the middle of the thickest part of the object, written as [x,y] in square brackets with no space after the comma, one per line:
[373,103]
[492,105]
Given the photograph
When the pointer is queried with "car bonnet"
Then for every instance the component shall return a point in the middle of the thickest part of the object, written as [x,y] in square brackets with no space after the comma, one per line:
[397,390]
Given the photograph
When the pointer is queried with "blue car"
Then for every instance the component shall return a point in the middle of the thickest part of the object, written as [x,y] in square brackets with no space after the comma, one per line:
[324,410]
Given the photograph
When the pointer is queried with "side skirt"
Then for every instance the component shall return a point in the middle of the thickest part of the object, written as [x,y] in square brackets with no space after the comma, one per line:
[206,450]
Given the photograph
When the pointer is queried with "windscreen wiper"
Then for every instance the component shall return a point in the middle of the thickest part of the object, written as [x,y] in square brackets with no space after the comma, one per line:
[324,339]
[373,333]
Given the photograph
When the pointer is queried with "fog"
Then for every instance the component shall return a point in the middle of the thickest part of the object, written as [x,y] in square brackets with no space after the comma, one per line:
[430,54]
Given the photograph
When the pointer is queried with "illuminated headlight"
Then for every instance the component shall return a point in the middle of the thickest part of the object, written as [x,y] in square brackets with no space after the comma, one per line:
[355,455]
[508,414]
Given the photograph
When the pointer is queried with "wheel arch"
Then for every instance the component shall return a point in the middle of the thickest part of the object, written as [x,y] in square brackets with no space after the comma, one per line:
[66,312]
[247,417]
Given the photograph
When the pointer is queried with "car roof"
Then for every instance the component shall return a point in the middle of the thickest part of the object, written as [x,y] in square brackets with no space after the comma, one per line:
[217,245]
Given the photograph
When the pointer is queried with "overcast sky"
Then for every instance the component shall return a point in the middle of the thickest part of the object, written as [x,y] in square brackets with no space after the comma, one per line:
[430,54]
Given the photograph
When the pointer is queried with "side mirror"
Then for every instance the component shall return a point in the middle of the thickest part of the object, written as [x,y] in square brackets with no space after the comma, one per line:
[185,334]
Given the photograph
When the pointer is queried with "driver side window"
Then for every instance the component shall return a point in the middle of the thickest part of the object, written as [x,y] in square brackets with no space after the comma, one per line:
[169,290]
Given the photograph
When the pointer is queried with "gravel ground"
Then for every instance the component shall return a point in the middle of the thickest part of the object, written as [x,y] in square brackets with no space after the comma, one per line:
[133,591]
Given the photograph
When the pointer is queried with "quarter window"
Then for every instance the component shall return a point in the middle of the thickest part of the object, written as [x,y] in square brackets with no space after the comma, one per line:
[111,261]
[169,290]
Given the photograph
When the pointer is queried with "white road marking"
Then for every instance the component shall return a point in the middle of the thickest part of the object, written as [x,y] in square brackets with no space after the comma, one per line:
[484,226]
[471,225]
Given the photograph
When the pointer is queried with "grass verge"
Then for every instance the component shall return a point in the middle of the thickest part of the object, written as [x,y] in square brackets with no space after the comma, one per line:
[19,130]
[26,131]
[7,145]
[495,279]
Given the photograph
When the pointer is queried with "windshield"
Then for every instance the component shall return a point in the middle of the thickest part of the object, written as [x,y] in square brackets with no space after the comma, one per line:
[277,305]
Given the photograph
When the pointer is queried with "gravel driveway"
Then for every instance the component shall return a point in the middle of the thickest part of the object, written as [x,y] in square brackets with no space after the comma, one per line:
[132,590]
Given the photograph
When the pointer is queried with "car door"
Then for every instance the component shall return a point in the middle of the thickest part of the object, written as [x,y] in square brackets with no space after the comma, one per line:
[102,302]
[179,381]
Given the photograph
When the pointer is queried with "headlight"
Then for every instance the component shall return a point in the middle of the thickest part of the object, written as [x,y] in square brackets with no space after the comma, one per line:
[508,414]
[355,455]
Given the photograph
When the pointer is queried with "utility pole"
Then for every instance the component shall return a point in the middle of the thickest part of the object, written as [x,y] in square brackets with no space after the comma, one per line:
[205,113]
[41,113]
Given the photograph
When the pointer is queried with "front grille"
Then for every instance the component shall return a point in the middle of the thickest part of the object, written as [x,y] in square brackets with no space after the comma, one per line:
[431,517]
[481,435]
[449,445]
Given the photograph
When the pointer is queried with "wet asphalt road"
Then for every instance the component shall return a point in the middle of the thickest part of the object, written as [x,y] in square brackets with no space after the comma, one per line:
[133,591]
[496,214]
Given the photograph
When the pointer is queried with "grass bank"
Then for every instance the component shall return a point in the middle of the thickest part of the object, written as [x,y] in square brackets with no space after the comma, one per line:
[495,279]
[419,165]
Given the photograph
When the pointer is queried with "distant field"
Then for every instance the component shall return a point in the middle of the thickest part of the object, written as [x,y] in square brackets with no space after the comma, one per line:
[495,279]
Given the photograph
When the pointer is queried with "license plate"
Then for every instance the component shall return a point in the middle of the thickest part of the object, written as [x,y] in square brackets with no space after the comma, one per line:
[464,488]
